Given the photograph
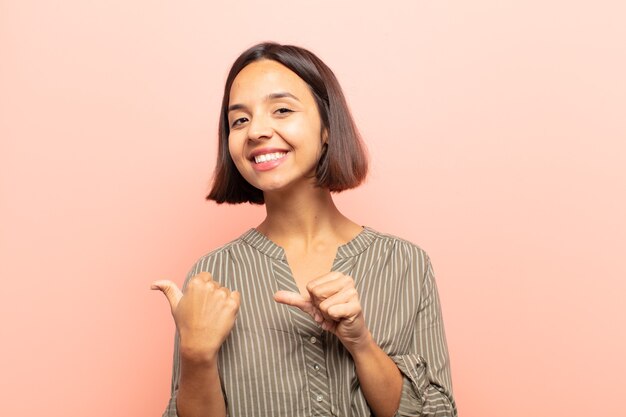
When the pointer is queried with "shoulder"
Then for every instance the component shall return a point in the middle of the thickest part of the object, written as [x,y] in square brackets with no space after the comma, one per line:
[402,253]
[397,244]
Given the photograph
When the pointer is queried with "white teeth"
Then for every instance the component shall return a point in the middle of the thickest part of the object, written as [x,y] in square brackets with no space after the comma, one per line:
[269,157]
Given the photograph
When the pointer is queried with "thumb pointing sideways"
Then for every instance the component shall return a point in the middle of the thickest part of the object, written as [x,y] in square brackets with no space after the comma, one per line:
[296,300]
[170,290]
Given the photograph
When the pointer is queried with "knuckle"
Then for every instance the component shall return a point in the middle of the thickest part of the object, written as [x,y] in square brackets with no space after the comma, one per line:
[205,276]
[222,293]
[233,303]
[333,311]
[193,282]
[310,286]
[337,275]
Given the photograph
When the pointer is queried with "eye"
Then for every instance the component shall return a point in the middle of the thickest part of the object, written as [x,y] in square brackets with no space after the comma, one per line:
[283,110]
[238,122]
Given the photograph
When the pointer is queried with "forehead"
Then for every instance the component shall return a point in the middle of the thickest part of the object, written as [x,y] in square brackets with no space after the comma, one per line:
[261,78]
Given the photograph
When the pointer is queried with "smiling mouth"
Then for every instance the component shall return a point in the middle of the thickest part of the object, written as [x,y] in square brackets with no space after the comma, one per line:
[269,157]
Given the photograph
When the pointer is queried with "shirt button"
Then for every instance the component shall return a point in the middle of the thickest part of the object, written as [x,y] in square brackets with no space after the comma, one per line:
[313,340]
[316,367]
[319,398]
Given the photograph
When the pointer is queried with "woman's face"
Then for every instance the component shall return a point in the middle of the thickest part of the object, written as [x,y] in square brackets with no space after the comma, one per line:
[275,135]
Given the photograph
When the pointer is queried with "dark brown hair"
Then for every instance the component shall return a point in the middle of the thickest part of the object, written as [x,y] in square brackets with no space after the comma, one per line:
[343,164]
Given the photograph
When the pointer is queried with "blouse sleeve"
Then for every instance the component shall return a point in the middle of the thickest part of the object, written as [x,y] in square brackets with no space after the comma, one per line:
[171,411]
[427,386]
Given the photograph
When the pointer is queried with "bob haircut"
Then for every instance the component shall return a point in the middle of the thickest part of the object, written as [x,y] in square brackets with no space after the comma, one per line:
[343,164]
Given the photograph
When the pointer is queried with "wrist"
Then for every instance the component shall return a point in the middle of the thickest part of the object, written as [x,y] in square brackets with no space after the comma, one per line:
[191,355]
[363,346]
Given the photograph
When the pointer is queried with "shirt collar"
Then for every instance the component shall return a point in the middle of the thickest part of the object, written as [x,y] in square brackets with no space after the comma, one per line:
[352,248]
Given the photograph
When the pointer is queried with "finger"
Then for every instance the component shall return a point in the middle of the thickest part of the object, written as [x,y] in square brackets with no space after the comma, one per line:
[344,296]
[331,276]
[291,298]
[347,311]
[236,297]
[329,325]
[317,316]
[171,291]
[205,276]
[203,280]
[295,300]
[222,292]
[324,290]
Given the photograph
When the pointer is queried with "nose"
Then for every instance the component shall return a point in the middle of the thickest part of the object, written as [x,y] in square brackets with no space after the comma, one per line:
[260,128]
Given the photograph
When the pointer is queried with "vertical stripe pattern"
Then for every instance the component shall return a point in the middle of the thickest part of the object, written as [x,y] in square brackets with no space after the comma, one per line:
[278,362]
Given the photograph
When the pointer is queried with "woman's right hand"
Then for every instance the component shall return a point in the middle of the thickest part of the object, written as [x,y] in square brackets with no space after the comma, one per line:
[204,315]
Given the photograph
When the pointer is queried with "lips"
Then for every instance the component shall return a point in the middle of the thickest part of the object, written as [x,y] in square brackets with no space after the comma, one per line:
[267,158]
[266,154]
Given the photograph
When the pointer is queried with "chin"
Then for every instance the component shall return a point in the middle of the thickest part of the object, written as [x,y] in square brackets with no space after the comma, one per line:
[268,188]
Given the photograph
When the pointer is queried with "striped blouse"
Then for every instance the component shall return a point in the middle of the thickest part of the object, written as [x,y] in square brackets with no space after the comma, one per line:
[278,362]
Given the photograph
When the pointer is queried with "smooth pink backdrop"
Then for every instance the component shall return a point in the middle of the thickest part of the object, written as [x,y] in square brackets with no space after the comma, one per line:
[497,134]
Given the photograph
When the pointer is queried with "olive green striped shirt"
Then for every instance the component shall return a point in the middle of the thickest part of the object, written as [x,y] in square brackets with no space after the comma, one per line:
[278,362]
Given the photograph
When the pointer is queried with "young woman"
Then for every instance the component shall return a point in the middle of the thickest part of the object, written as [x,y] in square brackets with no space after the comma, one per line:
[309,313]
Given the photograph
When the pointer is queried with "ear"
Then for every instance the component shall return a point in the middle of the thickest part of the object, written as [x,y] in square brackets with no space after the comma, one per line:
[324,136]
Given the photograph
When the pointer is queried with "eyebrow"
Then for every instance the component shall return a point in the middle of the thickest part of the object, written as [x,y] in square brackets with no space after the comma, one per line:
[269,97]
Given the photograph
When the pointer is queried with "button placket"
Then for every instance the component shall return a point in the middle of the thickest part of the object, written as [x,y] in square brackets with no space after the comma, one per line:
[314,349]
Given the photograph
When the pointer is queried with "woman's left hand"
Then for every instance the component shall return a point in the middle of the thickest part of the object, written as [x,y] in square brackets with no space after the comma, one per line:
[333,303]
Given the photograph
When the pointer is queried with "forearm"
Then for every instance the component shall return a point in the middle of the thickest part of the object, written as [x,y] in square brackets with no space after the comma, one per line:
[200,392]
[379,377]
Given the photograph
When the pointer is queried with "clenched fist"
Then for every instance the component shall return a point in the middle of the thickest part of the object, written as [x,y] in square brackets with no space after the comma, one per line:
[204,315]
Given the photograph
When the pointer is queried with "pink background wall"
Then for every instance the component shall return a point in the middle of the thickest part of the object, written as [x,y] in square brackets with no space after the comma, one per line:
[497,132]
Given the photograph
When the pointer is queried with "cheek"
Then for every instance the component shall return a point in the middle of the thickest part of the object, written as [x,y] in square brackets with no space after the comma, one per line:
[236,154]
[299,134]
[234,148]
[230,148]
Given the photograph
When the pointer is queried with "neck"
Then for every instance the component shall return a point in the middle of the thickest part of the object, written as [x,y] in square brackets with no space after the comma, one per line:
[305,215]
